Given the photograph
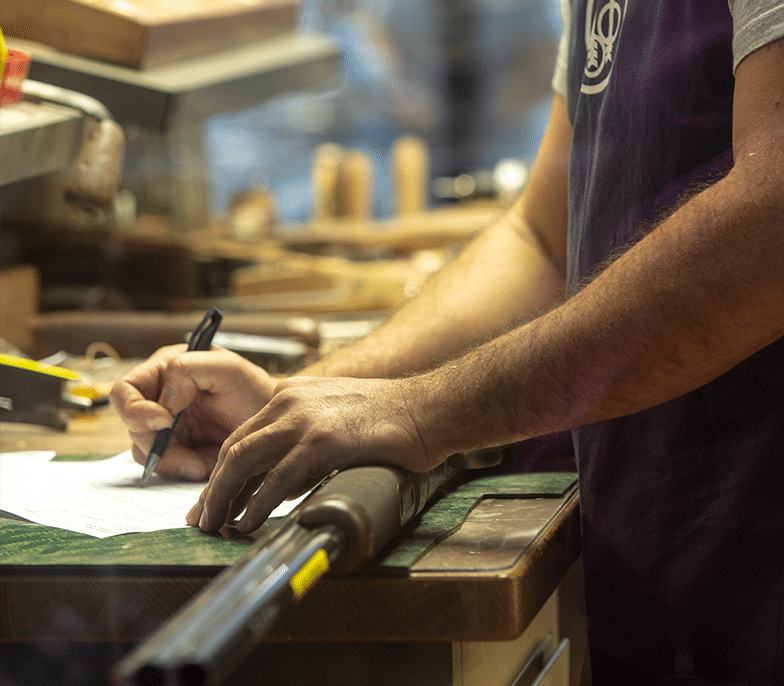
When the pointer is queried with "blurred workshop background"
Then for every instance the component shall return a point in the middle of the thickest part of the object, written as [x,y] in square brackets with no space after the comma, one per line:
[303,165]
[470,77]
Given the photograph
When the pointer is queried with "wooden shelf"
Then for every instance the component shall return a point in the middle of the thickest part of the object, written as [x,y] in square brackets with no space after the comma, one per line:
[36,139]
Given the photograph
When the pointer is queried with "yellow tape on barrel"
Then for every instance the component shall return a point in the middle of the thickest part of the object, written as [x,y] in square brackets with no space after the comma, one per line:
[311,571]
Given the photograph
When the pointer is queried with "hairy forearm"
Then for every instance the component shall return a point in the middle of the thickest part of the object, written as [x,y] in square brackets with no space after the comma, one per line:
[701,293]
[503,276]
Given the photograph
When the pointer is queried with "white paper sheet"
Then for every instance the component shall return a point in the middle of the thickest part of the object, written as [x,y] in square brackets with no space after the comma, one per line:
[100,498]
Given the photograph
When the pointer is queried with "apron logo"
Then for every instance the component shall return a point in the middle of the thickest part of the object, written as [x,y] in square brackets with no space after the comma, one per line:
[602,29]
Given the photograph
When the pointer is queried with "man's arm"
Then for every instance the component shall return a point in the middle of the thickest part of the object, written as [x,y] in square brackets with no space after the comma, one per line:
[701,293]
[509,274]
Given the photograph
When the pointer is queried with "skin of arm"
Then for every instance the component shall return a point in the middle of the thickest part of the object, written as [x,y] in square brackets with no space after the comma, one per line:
[700,293]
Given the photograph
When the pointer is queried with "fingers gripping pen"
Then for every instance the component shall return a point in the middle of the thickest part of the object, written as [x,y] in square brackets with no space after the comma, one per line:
[200,339]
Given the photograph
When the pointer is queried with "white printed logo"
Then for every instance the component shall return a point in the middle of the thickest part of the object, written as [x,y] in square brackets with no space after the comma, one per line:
[602,29]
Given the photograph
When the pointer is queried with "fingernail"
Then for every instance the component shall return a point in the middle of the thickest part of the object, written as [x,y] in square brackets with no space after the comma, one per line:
[192,513]
[203,518]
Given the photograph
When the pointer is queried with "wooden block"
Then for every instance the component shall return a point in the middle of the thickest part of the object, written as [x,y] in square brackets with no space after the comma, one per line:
[308,283]
[443,227]
[147,33]
[324,179]
[19,299]
[410,163]
[355,186]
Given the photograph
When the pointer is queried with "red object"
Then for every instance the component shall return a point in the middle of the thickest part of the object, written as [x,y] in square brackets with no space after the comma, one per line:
[16,65]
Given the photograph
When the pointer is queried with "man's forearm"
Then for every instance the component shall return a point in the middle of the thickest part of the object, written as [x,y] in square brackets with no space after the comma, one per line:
[701,293]
[698,295]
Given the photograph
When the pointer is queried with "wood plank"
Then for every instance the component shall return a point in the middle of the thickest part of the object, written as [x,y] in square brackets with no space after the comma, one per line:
[139,334]
[148,33]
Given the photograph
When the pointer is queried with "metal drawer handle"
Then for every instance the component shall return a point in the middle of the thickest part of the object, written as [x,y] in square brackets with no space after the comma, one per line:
[535,673]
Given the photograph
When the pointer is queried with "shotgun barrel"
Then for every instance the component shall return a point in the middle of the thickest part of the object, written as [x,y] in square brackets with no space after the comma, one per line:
[341,525]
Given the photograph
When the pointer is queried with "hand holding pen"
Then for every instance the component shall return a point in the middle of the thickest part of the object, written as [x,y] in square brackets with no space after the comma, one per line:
[200,339]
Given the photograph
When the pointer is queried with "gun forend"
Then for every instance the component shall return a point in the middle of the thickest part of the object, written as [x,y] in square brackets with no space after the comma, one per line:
[369,504]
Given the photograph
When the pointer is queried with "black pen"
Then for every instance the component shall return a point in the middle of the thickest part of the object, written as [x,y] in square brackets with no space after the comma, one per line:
[200,339]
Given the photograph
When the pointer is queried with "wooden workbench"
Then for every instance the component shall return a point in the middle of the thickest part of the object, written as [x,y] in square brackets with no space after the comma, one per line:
[468,611]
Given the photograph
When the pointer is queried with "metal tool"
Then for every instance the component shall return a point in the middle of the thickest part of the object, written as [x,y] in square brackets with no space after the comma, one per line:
[341,525]
[33,393]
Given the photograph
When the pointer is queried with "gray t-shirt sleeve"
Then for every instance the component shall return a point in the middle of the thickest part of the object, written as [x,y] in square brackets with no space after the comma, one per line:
[756,23]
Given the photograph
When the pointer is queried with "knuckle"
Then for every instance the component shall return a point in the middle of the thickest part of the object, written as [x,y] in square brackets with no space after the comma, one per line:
[318,436]
[283,397]
[116,395]
[170,350]
[233,455]
[279,478]
[175,367]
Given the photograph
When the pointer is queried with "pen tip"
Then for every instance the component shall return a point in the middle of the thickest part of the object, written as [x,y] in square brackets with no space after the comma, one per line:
[149,468]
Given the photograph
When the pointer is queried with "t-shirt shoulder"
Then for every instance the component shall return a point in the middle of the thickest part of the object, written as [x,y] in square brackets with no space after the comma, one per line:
[756,23]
